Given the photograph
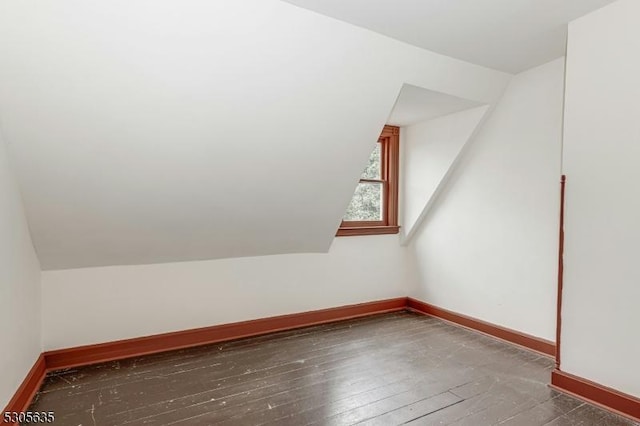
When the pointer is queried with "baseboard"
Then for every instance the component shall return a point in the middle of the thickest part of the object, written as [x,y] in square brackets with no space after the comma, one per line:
[597,394]
[542,346]
[91,354]
[607,398]
[27,390]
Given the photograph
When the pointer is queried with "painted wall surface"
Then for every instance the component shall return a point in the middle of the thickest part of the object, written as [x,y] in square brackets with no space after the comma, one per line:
[429,150]
[92,305]
[509,35]
[601,303]
[488,247]
[161,131]
[19,287]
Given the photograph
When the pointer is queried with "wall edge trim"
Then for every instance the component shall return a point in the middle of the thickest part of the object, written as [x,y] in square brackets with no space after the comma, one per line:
[28,389]
[127,348]
[536,344]
[584,389]
[563,181]
[594,393]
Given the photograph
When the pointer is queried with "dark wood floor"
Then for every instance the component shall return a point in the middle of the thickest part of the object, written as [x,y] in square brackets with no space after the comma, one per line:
[381,370]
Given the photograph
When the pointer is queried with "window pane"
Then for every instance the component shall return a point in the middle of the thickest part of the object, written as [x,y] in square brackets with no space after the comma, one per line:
[366,203]
[372,171]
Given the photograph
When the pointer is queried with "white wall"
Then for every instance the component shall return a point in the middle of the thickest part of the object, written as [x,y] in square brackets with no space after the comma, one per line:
[91,305]
[19,287]
[162,131]
[429,149]
[488,246]
[601,304]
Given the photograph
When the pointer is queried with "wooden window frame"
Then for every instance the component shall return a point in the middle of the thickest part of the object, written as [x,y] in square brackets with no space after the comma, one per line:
[389,176]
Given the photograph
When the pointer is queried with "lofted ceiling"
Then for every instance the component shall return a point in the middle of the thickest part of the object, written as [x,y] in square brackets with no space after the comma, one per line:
[507,35]
[153,131]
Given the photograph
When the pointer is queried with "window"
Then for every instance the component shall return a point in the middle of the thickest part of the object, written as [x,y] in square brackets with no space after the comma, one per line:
[374,206]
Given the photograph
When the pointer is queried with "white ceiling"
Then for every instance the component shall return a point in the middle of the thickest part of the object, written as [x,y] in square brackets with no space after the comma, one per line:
[416,104]
[507,35]
[170,130]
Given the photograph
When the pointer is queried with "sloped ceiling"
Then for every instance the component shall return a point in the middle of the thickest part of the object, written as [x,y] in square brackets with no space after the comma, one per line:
[508,35]
[155,131]
[415,105]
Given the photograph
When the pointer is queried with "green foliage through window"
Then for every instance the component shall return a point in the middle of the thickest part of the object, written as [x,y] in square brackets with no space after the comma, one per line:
[367,202]
[372,171]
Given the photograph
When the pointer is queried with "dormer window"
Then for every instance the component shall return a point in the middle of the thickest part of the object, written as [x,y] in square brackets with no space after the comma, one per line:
[374,206]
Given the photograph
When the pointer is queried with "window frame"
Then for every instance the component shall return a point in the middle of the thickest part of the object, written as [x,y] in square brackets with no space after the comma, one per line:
[389,176]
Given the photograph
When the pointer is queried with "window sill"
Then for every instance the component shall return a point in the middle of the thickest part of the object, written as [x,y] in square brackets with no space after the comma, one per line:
[367,230]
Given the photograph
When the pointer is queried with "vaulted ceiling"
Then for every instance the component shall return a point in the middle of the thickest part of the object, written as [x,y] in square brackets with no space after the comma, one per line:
[151,131]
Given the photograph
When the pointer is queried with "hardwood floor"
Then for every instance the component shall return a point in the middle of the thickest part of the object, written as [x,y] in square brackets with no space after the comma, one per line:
[381,370]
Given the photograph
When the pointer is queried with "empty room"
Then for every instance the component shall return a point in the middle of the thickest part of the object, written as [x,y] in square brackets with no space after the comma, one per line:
[320,212]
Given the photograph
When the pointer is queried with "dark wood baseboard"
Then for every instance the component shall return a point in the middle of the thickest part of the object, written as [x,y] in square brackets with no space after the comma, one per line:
[27,390]
[91,354]
[84,355]
[536,344]
[597,394]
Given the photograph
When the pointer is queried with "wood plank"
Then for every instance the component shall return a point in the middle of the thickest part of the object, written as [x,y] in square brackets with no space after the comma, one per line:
[385,369]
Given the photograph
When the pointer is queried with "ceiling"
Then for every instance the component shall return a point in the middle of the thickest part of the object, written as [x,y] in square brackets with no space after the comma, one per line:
[507,35]
[154,131]
[416,104]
